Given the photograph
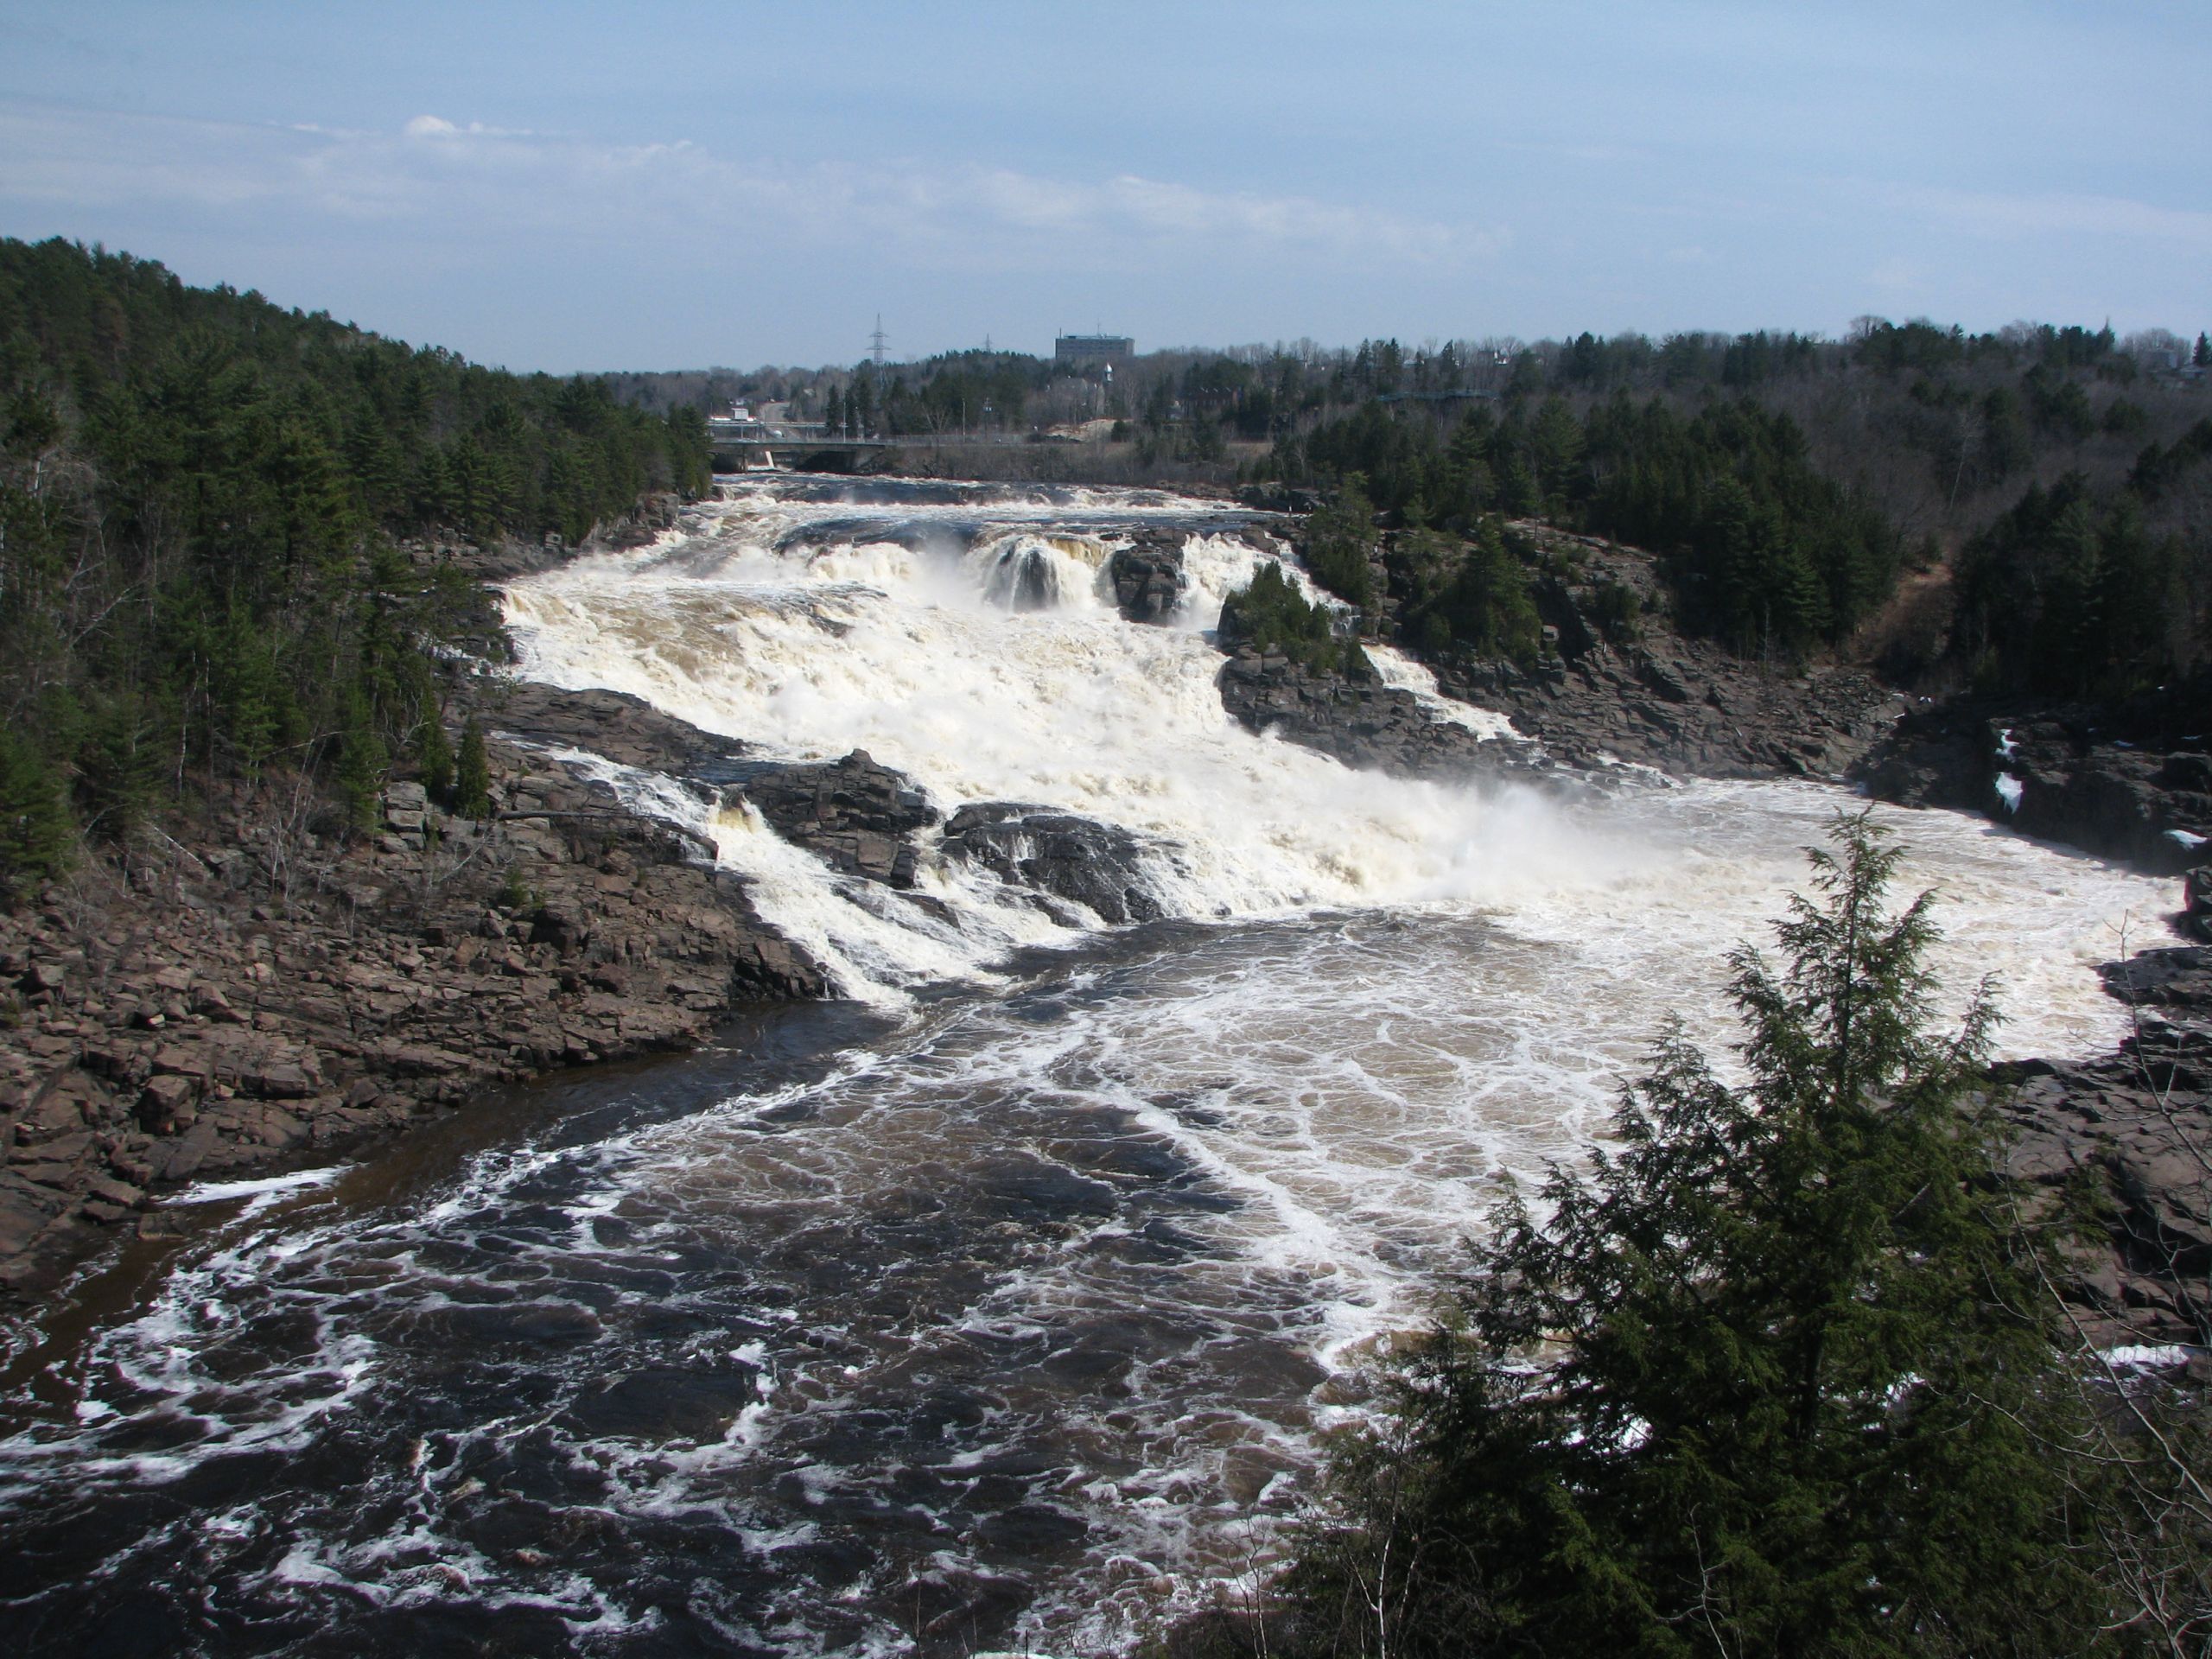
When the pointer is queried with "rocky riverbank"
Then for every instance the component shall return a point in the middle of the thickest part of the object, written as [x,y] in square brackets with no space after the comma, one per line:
[266,987]
[2125,1142]
[1646,694]
[2092,778]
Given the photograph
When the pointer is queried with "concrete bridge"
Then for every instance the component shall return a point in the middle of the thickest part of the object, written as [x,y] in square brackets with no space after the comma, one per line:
[742,444]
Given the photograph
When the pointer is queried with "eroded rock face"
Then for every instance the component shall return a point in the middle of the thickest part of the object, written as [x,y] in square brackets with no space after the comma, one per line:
[1147,578]
[2056,773]
[2134,1128]
[857,816]
[1089,863]
[1365,724]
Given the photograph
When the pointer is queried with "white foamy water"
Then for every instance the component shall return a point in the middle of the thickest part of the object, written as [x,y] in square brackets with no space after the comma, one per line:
[1008,1312]
[813,627]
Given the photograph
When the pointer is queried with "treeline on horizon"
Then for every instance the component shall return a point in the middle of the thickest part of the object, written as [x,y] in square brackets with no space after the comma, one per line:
[203,497]
[1260,394]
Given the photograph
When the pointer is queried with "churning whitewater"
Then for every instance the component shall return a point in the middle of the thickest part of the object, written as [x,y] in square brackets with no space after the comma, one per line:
[1006,1300]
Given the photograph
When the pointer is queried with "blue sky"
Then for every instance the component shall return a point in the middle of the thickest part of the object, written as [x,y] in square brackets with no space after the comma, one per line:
[587,187]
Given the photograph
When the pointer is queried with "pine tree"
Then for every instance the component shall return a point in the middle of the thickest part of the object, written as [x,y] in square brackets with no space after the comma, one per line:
[472,789]
[1338,539]
[1770,1379]
[434,750]
[37,837]
[362,760]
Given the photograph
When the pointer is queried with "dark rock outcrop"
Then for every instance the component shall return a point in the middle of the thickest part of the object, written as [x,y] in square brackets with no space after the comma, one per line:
[1089,863]
[1683,707]
[1361,722]
[2132,1134]
[858,816]
[1148,576]
[624,729]
[2053,772]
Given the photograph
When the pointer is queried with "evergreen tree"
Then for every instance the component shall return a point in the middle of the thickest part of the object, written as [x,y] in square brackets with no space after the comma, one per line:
[1270,614]
[1471,597]
[472,786]
[37,837]
[434,750]
[1770,1379]
[1555,444]
[362,760]
[1338,539]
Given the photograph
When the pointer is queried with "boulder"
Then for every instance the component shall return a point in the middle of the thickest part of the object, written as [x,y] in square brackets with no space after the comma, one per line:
[1361,722]
[1148,580]
[1098,866]
[857,816]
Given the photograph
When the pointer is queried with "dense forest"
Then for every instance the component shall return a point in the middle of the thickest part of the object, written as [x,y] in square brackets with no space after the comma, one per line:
[203,499]
[1788,486]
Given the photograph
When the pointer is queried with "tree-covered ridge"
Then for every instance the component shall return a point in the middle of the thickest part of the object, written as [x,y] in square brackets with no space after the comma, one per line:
[165,383]
[1763,552]
[199,499]
[2095,580]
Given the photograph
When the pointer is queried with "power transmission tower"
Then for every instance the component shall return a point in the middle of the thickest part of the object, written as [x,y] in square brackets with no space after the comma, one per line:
[875,345]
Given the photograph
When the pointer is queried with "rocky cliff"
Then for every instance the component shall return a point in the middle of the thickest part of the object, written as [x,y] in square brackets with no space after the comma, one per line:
[2124,1143]
[2069,773]
[265,985]
[1646,694]
[1591,701]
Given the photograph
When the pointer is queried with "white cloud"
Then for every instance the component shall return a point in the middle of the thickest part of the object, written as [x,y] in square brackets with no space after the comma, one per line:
[1987,214]
[437,177]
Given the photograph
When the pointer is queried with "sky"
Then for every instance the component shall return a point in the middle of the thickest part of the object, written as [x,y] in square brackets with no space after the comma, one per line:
[587,186]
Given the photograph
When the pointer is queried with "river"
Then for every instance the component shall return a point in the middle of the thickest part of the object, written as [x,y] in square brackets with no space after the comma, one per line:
[1007,1299]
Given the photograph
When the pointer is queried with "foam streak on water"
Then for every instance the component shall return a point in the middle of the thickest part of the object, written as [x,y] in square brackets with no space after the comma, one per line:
[1009,1310]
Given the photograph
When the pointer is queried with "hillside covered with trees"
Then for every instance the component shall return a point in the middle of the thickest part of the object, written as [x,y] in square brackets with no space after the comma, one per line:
[202,498]
[2040,494]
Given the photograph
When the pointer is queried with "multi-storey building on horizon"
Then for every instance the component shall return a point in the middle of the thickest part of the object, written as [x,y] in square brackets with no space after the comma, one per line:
[1089,351]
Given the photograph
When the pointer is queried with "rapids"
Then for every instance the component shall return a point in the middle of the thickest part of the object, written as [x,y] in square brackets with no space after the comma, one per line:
[1006,1299]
